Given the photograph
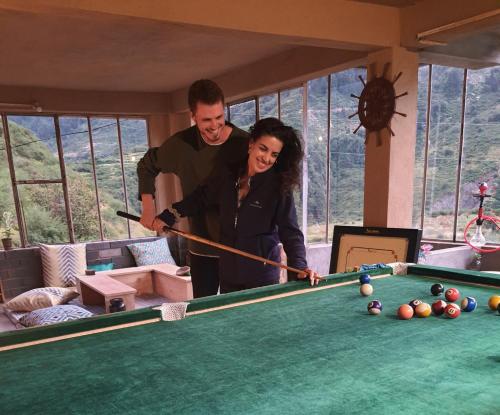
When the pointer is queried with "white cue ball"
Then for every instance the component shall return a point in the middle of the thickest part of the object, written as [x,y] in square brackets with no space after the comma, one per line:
[366,289]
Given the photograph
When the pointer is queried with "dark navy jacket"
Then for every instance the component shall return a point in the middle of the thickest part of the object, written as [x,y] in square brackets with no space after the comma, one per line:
[265,217]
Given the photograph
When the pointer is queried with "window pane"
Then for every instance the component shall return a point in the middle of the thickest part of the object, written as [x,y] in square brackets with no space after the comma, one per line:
[44,213]
[444,138]
[347,151]
[7,206]
[418,180]
[109,177]
[134,135]
[268,106]
[292,107]
[481,153]
[243,114]
[34,147]
[317,134]
[80,178]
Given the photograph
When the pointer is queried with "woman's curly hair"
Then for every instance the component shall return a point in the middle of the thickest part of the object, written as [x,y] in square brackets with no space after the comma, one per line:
[288,162]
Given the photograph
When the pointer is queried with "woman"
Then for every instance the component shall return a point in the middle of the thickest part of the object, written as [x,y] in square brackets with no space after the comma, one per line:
[256,208]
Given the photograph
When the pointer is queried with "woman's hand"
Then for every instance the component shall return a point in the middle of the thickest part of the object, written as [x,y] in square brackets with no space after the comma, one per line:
[314,277]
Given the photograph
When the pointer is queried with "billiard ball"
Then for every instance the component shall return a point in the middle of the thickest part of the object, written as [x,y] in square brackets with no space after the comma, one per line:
[374,307]
[452,310]
[414,303]
[366,290]
[498,308]
[452,294]
[493,302]
[405,312]
[469,304]
[438,307]
[437,289]
[423,310]
[364,279]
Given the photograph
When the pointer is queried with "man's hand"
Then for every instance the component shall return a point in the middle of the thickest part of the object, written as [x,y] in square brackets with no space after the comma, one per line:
[167,217]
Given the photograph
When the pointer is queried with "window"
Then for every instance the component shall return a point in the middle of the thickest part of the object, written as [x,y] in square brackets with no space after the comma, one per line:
[243,114]
[71,175]
[457,148]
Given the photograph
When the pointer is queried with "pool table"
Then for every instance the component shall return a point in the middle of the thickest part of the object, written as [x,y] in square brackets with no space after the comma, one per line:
[286,349]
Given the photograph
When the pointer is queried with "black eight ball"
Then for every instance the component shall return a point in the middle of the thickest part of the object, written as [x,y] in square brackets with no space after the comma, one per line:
[437,289]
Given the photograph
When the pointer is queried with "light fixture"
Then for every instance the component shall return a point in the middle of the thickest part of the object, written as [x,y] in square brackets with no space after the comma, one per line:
[34,106]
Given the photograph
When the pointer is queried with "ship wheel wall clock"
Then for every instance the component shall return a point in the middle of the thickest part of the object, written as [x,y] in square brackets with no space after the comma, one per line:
[377,104]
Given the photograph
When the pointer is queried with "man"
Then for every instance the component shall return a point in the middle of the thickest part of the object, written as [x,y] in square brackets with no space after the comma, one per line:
[193,155]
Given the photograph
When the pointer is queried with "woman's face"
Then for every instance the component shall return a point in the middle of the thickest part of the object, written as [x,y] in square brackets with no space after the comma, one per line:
[262,154]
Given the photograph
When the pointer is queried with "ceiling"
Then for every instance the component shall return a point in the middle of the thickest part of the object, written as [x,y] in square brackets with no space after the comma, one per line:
[93,51]
[112,53]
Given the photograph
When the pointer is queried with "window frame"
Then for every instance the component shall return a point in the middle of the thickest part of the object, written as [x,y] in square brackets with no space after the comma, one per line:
[60,155]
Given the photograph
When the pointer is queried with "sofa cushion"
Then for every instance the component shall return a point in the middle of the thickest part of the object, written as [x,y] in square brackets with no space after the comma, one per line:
[54,315]
[151,253]
[62,263]
[41,298]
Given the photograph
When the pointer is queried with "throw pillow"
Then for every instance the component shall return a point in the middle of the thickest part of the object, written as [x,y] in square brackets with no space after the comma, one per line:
[41,298]
[54,315]
[62,263]
[151,253]
[101,267]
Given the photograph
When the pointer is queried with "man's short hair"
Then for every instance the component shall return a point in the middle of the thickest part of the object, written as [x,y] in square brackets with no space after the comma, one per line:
[205,91]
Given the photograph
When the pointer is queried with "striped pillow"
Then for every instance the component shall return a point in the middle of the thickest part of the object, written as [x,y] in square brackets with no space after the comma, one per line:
[62,263]
[54,315]
[41,298]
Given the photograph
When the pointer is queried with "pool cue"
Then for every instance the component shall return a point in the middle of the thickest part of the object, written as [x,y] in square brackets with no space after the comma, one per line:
[218,245]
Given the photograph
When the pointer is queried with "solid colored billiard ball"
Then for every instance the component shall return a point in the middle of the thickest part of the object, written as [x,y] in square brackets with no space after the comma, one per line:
[366,290]
[405,312]
[452,294]
[498,308]
[423,310]
[438,307]
[374,307]
[469,304]
[414,303]
[437,289]
[493,302]
[364,279]
[452,310]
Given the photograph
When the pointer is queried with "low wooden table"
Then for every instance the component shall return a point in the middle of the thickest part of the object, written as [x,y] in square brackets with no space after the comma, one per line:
[99,289]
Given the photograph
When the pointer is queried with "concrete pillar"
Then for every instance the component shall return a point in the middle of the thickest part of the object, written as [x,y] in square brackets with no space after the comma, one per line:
[388,200]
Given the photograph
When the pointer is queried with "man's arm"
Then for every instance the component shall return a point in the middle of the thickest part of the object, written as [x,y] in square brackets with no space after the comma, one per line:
[156,160]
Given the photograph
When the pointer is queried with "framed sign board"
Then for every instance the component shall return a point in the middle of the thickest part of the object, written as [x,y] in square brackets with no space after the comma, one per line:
[353,246]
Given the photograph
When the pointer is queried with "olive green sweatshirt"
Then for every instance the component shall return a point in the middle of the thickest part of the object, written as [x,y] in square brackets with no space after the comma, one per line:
[186,155]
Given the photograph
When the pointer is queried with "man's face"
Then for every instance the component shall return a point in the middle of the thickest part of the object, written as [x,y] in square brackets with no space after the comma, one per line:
[210,121]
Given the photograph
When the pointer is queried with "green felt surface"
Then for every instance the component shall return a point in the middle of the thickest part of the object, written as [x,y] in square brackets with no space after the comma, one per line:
[314,353]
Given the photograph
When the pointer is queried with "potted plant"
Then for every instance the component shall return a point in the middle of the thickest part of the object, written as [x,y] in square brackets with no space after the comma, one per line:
[7,231]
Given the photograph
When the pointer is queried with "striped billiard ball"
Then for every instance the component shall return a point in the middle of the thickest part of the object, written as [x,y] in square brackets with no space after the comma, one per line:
[364,279]
[437,289]
[452,294]
[469,304]
[414,303]
[438,307]
[452,310]
[375,307]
